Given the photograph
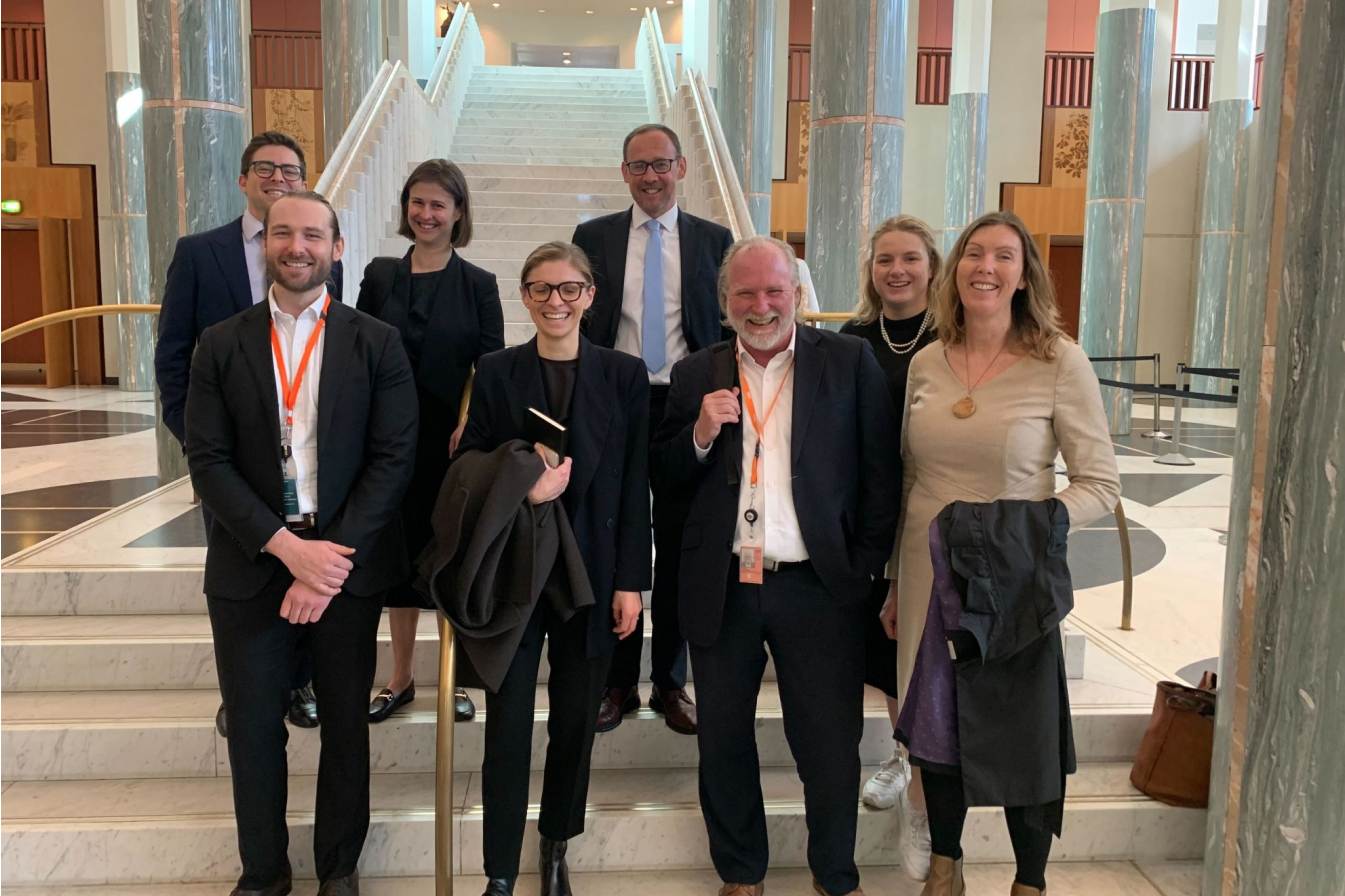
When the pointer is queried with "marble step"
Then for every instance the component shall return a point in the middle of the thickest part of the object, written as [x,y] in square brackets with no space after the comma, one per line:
[576,115]
[537,233]
[487,202]
[485,90]
[484,215]
[167,734]
[473,139]
[609,173]
[535,180]
[539,157]
[538,130]
[170,830]
[175,652]
[556,74]
[557,108]
[615,127]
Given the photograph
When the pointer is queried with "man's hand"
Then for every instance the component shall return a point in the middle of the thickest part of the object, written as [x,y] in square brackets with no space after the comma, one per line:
[456,438]
[888,614]
[302,604]
[551,484]
[321,565]
[626,606]
[717,408]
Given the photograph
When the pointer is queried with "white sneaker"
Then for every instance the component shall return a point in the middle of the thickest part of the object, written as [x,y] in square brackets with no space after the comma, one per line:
[914,839]
[893,776]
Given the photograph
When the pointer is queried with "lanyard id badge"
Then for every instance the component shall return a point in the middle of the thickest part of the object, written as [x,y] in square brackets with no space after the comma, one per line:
[752,544]
[289,468]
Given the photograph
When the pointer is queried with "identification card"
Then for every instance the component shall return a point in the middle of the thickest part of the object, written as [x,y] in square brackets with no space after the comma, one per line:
[289,476]
[749,564]
[290,492]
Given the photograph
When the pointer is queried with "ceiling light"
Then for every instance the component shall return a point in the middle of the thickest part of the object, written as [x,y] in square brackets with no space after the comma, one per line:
[588,12]
[565,61]
[565,52]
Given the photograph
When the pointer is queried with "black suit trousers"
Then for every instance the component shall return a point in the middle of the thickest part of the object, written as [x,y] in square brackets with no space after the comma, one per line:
[574,689]
[818,649]
[254,654]
[667,649]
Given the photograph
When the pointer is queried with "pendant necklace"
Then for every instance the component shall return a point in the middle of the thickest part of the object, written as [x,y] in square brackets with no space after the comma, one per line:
[901,348]
[965,406]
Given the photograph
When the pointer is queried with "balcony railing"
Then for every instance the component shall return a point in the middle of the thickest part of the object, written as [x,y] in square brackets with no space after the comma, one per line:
[25,52]
[1258,72]
[800,72]
[1069,81]
[290,59]
[933,75]
[1189,79]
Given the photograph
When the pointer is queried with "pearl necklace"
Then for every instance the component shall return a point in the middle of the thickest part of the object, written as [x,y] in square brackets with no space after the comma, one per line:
[902,348]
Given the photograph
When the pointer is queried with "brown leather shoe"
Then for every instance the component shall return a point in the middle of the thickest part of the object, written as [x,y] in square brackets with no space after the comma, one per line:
[341,886]
[676,708]
[281,887]
[817,888]
[1025,890]
[616,702]
[945,877]
[742,889]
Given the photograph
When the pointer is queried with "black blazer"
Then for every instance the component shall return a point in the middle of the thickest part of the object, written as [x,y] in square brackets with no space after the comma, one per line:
[465,323]
[703,244]
[207,283]
[366,447]
[608,495]
[846,471]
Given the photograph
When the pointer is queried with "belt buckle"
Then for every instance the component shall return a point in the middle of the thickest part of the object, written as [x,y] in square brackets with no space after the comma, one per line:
[770,565]
[303,524]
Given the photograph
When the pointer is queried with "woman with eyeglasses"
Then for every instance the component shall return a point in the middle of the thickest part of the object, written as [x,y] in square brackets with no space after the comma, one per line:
[448,312]
[601,397]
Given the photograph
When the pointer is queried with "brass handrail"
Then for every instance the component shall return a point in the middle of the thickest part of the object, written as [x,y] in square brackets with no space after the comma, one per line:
[826,317]
[69,314]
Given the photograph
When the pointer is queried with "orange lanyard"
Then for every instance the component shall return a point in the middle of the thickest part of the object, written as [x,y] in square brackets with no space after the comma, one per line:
[759,425]
[290,390]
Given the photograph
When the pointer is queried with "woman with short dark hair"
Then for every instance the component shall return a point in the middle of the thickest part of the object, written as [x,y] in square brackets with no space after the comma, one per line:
[448,312]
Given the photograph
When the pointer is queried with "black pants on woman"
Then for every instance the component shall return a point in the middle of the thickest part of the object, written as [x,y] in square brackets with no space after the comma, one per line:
[574,686]
[947,807]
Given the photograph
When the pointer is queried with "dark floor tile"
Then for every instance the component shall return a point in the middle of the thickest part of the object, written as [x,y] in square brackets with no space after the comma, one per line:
[14,396]
[1124,451]
[186,530]
[1153,489]
[100,494]
[13,542]
[45,519]
[22,415]
[1095,554]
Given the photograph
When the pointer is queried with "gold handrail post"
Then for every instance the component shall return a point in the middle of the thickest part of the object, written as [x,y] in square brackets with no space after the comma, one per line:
[1127,570]
[443,764]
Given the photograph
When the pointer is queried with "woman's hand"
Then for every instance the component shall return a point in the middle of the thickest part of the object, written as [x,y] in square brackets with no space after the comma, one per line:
[888,614]
[454,439]
[551,484]
[626,606]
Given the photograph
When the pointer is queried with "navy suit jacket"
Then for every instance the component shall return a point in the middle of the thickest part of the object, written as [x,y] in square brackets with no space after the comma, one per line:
[207,283]
[702,243]
[846,471]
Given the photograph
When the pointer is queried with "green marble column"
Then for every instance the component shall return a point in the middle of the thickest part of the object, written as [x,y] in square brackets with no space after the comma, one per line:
[968,112]
[1276,823]
[352,51]
[856,139]
[1113,243]
[745,96]
[1223,197]
[193,65]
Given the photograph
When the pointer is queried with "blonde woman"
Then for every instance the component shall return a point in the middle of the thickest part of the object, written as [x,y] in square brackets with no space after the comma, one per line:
[894,315]
[988,408]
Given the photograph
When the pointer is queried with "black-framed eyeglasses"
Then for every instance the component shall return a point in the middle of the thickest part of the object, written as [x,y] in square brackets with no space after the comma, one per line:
[540,291]
[660,166]
[265,170]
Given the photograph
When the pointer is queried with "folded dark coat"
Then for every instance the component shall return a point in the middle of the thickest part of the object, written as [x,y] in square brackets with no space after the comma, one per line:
[494,555]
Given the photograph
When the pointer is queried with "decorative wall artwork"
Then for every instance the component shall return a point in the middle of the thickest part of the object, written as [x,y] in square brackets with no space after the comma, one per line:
[20,123]
[298,113]
[1069,158]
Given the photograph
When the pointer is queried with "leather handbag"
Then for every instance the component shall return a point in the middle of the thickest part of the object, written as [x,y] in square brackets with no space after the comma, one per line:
[1173,763]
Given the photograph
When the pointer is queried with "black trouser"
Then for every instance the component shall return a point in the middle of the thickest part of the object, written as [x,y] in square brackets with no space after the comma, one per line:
[254,654]
[818,648]
[667,649]
[303,657]
[574,686]
[946,804]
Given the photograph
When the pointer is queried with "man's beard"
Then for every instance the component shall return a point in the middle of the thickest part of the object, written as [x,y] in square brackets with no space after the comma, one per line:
[317,274]
[762,341]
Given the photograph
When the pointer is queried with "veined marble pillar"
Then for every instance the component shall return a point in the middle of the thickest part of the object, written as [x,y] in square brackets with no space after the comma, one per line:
[193,65]
[129,252]
[745,98]
[1113,243]
[968,112]
[352,51]
[1223,198]
[855,142]
[1275,819]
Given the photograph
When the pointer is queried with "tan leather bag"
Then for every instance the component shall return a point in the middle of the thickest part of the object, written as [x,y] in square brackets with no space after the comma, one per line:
[1173,763]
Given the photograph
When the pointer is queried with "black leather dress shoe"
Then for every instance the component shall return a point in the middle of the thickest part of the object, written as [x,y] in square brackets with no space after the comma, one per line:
[676,708]
[616,702]
[280,888]
[499,886]
[303,707]
[341,886]
[221,725]
[464,710]
[385,703]
[554,871]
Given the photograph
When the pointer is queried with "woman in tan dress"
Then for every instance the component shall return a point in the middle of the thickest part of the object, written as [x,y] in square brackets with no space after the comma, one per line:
[988,408]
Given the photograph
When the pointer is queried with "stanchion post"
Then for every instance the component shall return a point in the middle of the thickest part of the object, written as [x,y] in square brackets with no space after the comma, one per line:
[1175,458]
[443,764]
[1127,569]
[1157,432]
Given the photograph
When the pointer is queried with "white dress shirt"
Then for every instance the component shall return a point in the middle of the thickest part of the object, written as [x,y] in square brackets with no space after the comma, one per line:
[255,254]
[777,518]
[294,333]
[630,327]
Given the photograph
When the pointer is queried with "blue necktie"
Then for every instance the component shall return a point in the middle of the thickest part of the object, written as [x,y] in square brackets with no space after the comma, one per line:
[653,330]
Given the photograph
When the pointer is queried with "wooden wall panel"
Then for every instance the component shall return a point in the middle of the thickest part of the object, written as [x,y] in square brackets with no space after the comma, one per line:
[21,277]
[86,286]
[57,340]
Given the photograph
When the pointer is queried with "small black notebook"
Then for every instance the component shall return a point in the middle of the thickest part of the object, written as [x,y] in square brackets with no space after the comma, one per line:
[540,428]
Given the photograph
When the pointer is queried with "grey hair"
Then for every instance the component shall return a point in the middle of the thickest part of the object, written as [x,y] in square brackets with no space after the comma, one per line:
[753,242]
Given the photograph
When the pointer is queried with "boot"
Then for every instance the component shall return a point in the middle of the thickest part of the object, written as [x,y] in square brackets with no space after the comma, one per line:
[945,877]
[499,886]
[1025,890]
[555,873]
